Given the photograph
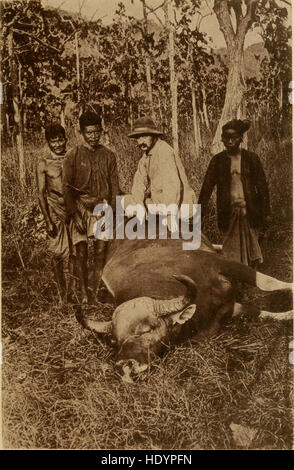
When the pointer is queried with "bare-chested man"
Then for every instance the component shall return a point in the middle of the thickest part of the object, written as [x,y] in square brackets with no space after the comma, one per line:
[49,180]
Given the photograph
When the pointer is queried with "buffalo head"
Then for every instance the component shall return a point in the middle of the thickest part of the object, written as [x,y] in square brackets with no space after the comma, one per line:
[143,326]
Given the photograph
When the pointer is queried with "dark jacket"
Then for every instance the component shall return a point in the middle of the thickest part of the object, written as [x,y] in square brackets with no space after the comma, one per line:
[92,173]
[254,185]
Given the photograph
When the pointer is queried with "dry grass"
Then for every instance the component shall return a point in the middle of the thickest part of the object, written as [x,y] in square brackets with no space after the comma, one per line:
[60,387]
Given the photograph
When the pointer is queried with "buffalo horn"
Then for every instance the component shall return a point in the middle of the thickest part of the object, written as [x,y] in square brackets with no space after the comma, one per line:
[98,326]
[164,307]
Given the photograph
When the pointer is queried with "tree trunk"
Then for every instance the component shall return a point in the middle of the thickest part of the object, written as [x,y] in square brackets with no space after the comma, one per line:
[160,111]
[234,94]
[205,109]
[173,78]
[18,127]
[62,118]
[267,98]
[280,95]
[197,135]
[2,101]
[78,66]
[147,63]
[234,36]
[131,110]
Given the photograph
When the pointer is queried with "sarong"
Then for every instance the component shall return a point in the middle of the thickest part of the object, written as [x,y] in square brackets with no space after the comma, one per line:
[60,245]
[241,241]
[85,206]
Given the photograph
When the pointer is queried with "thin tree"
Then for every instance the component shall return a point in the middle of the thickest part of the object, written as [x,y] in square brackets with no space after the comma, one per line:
[147,61]
[168,10]
[16,102]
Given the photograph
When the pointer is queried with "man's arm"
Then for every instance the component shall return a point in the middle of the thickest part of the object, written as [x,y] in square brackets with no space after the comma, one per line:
[114,182]
[140,183]
[207,186]
[41,183]
[69,193]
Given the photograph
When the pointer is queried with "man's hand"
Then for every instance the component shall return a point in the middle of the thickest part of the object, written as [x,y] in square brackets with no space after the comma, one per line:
[77,220]
[171,223]
[136,210]
[51,229]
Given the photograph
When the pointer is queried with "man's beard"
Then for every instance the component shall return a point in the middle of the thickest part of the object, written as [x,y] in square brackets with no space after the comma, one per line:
[147,148]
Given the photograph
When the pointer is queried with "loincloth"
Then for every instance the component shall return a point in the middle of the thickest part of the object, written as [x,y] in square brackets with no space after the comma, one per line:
[85,206]
[60,245]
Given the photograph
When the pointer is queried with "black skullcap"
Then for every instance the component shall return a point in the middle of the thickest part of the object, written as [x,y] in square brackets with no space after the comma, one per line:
[237,125]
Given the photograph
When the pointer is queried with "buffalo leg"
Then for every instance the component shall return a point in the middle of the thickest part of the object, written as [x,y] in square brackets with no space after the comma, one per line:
[222,315]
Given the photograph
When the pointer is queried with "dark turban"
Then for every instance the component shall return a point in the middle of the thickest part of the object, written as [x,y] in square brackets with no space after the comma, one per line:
[237,125]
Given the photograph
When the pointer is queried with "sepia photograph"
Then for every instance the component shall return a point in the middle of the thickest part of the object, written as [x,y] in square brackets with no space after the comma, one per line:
[147,227]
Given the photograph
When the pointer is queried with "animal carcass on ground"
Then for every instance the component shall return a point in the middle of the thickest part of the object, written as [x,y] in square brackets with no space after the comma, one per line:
[162,292]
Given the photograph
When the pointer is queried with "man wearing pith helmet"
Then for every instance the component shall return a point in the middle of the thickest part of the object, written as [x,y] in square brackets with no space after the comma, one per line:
[160,177]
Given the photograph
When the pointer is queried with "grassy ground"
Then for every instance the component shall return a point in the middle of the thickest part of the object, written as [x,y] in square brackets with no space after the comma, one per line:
[60,387]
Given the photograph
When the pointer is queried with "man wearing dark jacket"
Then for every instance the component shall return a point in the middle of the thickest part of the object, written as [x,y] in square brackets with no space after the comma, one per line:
[243,206]
[89,178]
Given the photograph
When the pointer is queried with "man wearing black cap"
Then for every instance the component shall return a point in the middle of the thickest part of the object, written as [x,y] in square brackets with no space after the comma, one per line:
[243,206]
[89,178]
[160,177]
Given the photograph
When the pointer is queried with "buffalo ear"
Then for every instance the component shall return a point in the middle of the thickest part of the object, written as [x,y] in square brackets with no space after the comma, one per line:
[184,315]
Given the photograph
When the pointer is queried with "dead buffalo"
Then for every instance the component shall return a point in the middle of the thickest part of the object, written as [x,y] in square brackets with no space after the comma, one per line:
[161,290]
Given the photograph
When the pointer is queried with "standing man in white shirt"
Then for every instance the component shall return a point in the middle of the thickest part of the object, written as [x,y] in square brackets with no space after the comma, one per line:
[160,177]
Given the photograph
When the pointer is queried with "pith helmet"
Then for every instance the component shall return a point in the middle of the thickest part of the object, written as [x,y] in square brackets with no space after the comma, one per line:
[144,125]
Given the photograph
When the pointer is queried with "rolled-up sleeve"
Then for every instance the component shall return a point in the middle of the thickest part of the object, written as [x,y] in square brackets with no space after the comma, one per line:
[114,181]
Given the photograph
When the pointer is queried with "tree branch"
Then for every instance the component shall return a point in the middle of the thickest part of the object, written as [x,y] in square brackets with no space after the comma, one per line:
[81,7]
[225,22]
[236,5]
[209,7]
[69,38]
[62,3]
[48,46]
[67,20]
[154,10]
[201,18]
[287,3]
[248,19]
[101,18]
